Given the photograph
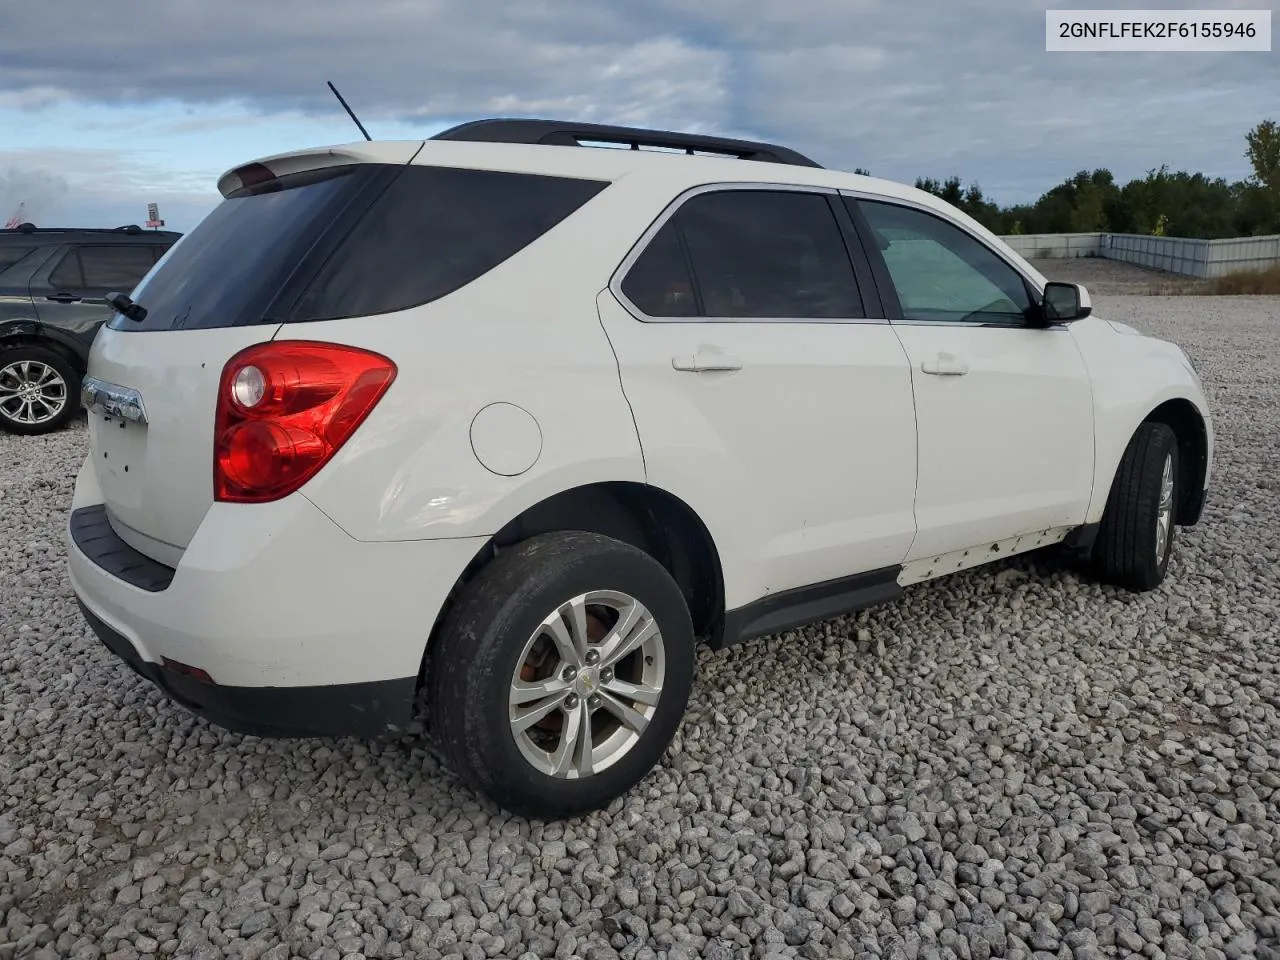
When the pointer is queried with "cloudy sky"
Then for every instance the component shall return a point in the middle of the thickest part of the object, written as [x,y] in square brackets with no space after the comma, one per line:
[105,106]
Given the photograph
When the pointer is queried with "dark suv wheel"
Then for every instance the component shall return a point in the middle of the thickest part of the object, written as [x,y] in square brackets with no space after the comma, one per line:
[39,389]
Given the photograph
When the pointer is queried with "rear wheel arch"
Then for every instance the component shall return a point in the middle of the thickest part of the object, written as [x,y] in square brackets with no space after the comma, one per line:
[1188,425]
[646,517]
[34,335]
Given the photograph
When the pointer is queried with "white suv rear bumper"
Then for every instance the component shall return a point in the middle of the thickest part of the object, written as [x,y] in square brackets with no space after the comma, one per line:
[283,611]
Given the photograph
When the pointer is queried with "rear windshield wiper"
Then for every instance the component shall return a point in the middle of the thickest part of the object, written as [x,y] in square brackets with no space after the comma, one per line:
[122,304]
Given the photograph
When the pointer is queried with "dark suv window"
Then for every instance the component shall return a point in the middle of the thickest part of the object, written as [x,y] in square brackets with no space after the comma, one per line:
[103,269]
[754,254]
[350,241]
[11,255]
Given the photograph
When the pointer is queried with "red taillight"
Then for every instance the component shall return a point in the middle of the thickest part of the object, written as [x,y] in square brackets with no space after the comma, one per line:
[284,408]
[257,178]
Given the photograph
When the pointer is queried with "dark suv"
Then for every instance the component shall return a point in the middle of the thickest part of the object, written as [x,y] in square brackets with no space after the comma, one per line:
[53,288]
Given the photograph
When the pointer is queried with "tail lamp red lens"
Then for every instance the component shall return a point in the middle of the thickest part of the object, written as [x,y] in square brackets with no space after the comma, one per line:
[284,409]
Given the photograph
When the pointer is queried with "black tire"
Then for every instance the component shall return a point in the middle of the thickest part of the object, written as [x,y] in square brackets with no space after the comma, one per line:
[53,360]
[1125,553]
[482,639]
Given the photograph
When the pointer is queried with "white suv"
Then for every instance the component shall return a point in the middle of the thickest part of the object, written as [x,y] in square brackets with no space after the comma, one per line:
[516,420]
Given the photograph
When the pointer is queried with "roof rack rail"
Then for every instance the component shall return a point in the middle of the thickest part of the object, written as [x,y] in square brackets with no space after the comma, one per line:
[131,228]
[569,134]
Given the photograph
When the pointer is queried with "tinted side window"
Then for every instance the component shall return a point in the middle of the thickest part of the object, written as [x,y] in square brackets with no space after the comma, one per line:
[66,275]
[760,254]
[115,268]
[659,282]
[11,255]
[434,230]
[941,272]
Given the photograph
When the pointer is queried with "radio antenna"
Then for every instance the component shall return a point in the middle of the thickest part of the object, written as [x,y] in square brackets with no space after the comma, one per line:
[350,112]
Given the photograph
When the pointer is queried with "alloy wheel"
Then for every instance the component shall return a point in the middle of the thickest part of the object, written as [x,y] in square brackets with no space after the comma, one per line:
[31,392]
[586,685]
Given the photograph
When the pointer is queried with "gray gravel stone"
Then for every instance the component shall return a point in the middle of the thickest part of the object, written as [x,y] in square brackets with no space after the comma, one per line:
[1009,762]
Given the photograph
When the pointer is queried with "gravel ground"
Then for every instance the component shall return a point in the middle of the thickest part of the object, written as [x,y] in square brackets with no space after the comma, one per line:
[1012,762]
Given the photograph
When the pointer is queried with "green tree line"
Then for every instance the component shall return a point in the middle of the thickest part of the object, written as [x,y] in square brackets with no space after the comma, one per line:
[1163,203]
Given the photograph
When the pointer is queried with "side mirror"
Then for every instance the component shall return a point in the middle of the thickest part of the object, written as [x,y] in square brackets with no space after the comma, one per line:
[1064,302]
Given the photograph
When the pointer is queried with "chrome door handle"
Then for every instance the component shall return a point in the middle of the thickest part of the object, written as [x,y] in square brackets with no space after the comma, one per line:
[945,365]
[705,362]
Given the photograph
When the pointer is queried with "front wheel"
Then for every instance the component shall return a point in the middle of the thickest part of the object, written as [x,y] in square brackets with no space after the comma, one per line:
[1135,540]
[39,389]
[561,676]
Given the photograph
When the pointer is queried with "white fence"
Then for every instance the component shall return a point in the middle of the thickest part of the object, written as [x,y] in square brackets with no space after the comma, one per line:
[1192,258]
[1056,246]
[1174,254]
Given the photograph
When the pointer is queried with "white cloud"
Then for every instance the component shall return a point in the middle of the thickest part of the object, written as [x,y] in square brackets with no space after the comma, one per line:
[39,192]
[929,87]
[33,98]
[94,187]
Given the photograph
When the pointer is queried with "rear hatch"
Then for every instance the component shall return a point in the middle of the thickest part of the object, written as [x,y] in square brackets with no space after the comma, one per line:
[222,287]
[341,234]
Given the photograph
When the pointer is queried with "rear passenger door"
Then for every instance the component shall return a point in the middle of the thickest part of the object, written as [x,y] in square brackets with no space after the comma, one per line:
[71,291]
[768,391]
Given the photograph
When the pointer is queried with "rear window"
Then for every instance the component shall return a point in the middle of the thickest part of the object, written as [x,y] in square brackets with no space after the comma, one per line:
[759,254]
[435,230]
[350,241]
[229,269]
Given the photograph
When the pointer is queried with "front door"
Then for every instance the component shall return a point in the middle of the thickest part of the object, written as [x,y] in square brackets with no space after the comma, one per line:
[1004,406]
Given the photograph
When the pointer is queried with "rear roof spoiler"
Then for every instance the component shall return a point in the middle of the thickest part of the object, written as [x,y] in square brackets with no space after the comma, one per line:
[298,161]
